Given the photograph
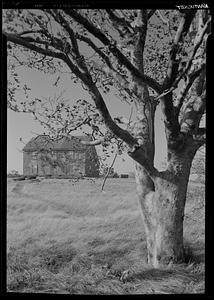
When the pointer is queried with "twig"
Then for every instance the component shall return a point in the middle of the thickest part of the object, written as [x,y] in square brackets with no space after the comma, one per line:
[165,21]
[130,117]
[109,169]
[115,156]
[196,46]
[93,143]
[19,150]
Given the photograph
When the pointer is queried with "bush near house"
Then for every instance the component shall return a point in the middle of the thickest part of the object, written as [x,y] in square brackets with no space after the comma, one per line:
[13,173]
[124,175]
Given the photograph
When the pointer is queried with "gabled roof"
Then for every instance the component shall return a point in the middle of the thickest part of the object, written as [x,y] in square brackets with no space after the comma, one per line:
[44,142]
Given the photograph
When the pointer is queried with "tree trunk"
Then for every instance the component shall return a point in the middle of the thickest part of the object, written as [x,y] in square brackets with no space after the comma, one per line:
[162,203]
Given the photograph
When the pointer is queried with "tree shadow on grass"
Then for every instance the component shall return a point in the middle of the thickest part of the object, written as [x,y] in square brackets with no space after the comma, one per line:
[152,274]
[192,269]
[194,253]
[178,280]
[108,256]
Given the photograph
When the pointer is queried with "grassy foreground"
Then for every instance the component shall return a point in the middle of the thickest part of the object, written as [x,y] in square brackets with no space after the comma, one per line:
[74,239]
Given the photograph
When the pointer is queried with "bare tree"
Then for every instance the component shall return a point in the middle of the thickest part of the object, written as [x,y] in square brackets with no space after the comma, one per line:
[149,57]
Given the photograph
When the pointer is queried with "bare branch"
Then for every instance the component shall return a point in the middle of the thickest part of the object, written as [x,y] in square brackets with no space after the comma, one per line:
[197,45]
[165,21]
[141,32]
[193,75]
[192,115]
[85,121]
[121,80]
[193,112]
[109,169]
[95,48]
[86,78]
[58,17]
[14,38]
[150,13]
[171,119]
[162,18]
[116,153]
[114,50]
[119,21]
[139,155]
[101,106]
[30,31]
[190,80]
[93,143]
[200,135]
[198,139]
[179,37]
[74,68]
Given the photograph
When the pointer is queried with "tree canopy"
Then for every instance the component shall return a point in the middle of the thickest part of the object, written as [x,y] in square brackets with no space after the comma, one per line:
[145,56]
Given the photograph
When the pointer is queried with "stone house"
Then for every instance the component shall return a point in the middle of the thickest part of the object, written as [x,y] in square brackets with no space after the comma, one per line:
[65,157]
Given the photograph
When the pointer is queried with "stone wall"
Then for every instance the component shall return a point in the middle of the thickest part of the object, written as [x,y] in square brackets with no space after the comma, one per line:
[62,163]
[29,164]
[57,163]
[91,163]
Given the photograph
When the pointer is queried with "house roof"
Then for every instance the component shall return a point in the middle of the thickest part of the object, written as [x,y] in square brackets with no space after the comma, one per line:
[44,142]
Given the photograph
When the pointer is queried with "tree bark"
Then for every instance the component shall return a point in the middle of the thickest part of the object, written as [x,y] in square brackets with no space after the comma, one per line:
[162,202]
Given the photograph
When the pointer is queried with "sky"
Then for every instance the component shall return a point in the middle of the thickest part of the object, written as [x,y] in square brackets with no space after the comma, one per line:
[22,125]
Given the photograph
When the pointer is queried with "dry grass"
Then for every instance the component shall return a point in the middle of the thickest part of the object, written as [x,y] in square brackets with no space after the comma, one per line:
[73,239]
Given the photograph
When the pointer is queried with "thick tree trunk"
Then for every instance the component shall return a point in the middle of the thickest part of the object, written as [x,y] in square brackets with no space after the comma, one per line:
[162,202]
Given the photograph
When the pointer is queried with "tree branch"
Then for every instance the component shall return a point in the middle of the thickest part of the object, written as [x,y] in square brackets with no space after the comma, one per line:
[99,102]
[137,152]
[200,135]
[101,106]
[150,13]
[194,110]
[74,68]
[14,38]
[63,22]
[190,80]
[197,45]
[121,80]
[93,143]
[30,31]
[114,50]
[141,32]
[171,117]
[179,37]
[95,48]
[197,139]
[119,21]
[165,21]
[139,155]
[162,18]
[109,169]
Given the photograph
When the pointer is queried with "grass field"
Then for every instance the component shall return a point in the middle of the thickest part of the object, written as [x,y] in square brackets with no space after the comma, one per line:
[74,239]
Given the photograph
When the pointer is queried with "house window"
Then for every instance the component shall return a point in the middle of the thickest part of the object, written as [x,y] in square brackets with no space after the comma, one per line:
[81,155]
[53,154]
[70,154]
[34,155]
[78,155]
